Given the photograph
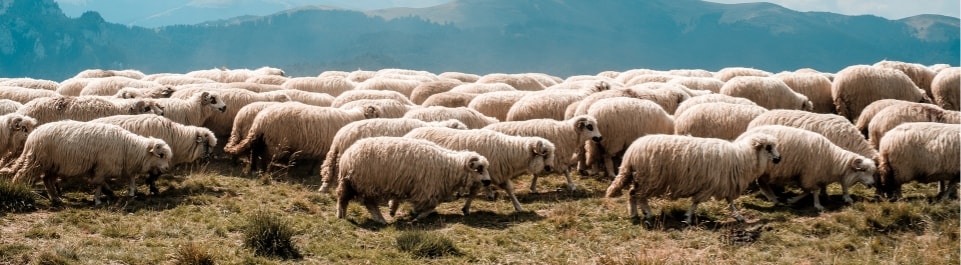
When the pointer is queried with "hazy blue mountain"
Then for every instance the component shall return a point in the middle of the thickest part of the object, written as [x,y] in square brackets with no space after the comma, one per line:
[477,36]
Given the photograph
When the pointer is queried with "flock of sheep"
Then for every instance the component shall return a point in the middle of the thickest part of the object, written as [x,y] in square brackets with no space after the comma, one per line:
[397,135]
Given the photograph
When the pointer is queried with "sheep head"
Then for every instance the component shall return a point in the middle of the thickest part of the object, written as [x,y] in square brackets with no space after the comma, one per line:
[767,145]
[478,164]
[862,170]
[146,107]
[371,112]
[545,150]
[159,154]
[213,100]
[586,126]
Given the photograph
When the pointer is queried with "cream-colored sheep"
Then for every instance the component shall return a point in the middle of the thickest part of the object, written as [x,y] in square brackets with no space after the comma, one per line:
[479,88]
[73,86]
[856,86]
[767,92]
[9,106]
[921,75]
[14,129]
[691,73]
[687,104]
[864,120]
[815,86]
[389,108]
[309,98]
[470,117]
[360,75]
[699,83]
[24,95]
[396,168]
[109,86]
[179,80]
[463,77]
[920,151]
[623,120]
[728,73]
[267,80]
[496,104]
[892,116]
[812,161]
[86,108]
[402,86]
[195,110]
[353,95]
[676,166]
[518,81]
[221,123]
[259,88]
[946,88]
[836,128]
[716,120]
[27,82]
[624,77]
[449,99]
[427,89]
[333,86]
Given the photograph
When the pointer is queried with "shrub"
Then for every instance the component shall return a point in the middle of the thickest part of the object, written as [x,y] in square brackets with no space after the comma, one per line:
[16,197]
[193,254]
[270,236]
[427,245]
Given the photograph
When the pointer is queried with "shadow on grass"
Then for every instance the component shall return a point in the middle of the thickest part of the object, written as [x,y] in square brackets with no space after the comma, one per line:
[559,195]
[476,219]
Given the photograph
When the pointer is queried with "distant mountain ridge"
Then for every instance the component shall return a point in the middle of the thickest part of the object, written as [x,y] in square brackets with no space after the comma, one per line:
[477,36]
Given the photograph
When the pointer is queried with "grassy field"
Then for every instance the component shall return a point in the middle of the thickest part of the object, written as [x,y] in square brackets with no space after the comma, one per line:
[212,214]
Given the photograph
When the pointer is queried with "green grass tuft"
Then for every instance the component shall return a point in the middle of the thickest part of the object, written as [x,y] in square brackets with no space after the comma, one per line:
[16,197]
[193,254]
[270,236]
[426,244]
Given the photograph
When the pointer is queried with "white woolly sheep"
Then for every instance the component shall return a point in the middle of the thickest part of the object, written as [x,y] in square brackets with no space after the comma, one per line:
[608,74]
[360,75]
[407,74]
[188,143]
[470,117]
[24,95]
[221,123]
[547,104]
[333,86]
[921,75]
[259,88]
[668,99]
[699,83]
[155,92]
[767,92]
[693,101]
[195,110]
[404,169]
[404,87]
[856,86]
[815,86]
[86,108]
[716,120]
[449,99]
[109,86]
[357,130]
[624,77]
[812,161]
[518,81]
[267,79]
[920,151]
[568,137]
[180,80]
[700,168]
[510,156]
[427,89]
[353,95]
[836,128]
[478,88]
[333,73]
[946,88]
[271,138]
[892,116]
[463,77]
[31,83]
[691,73]
[649,78]
[672,87]
[9,106]
[245,118]
[14,129]
[872,109]
[72,149]
[98,73]
[728,73]
[623,120]
[389,108]
[496,104]
[309,98]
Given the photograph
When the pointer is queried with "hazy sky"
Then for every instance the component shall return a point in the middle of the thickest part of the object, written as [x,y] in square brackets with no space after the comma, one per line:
[152,13]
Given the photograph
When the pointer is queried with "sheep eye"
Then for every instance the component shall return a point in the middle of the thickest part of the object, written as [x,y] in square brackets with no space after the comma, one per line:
[480,169]
[768,148]
[590,127]
[161,155]
[213,101]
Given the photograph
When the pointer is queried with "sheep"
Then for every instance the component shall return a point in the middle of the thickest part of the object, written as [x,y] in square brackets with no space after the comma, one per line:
[624,77]
[259,88]
[568,137]
[470,117]
[694,101]
[946,88]
[921,75]
[478,88]
[496,104]
[404,87]
[836,128]
[699,83]
[463,77]
[73,86]
[813,162]
[333,86]
[333,73]
[179,80]
[109,86]
[449,99]
[672,87]
[728,73]
[97,73]
[407,74]
[360,75]
[427,89]
[920,151]
[608,74]
[767,92]
[309,98]
[394,168]
[815,86]
[510,156]
[649,78]
[187,143]
[389,108]
[9,106]
[699,168]
[864,120]
[31,83]
[267,80]
[24,95]
[546,80]
[155,92]
[86,108]
[856,86]
[193,111]
[70,149]
[668,99]
[892,116]
[309,140]
[353,95]
[623,120]
[14,129]
[238,98]
[716,120]
[354,131]
[547,104]
[518,81]
[691,73]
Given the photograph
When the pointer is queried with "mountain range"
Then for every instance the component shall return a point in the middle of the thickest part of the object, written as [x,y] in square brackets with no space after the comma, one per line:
[558,37]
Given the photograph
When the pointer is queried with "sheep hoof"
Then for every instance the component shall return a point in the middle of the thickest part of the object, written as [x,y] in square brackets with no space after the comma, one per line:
[465,210]
[534,191]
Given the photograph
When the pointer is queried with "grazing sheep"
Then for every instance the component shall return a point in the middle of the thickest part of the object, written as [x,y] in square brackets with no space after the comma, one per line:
[272,138]
[668,99]
[767,92]
[333,73]
[699,83]
[672,87]
[836,128]
[920,151]
[154,92]
[946,88]
[463,77]
[649,78]
[238,98]
[353,95]
[24,95]
[402,86]
[309,98]
[73,86]
[568,137]
[71,149]
[813,162]
[694,101]
[31,83]
[357,130]
[427,89]
[389,108]
[716,120]
[404,169]
[195,110]
[815,86]
[86,108]
[449,99]
[864,120]
[478,88]
[14,129]
[729,73]
[109,86]
[518,81]
[188,143]
[892,116]
[624,77]
[700,168]
[856,86]
[9,106]
[333,86]
[623,120]
[921,75]
[97,73]
[510,156]
[470,117]
[547,104]
[496,104]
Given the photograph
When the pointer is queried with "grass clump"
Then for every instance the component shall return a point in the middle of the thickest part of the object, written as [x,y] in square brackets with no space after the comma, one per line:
[425,244]
[193,254]
[270,236]
[16,197]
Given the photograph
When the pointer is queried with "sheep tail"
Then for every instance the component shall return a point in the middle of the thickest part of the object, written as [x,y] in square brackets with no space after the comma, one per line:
[624,178]
[244,145]
[329,169]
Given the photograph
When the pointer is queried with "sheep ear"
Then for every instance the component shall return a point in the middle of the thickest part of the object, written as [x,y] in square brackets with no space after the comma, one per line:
[856,164]
[200,139]
[15,123]
[472,163]
[580,122]
[205,95]
[371,112]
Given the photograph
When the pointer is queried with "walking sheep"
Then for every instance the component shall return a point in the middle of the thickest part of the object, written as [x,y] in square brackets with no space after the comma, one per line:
[354,95]
[699,168]
[470,117]
[73,149]
[31,83]
[195,110]
[404,169]
[221,123]
[427,89]
[693,101]
[728,73]
[496,104]
[767,92]
[815,86]
[892,116]
[813,162]
[836,128]
[24,95]
[510,156]
[9,106]
[623,120]
[333,86]
[86,108]
[449,99]
[857,86]
[920,151]
[716,120]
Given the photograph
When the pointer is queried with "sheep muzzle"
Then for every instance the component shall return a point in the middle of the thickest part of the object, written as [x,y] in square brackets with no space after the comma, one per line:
[486,182]
[776,159]
[596,139]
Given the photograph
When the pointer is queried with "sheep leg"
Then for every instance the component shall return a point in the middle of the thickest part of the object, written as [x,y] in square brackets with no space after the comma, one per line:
[51,185]
[374,211]
[946,188]
[734,211]
[690,212]
[534,183]
[817,198]
[844,193]
[392,206]
[471,193]
[132,188]
[765,187]
[152,182]
[421,211]
[344,195]
[795,199]
[508,187]
[609,166]
[570,182]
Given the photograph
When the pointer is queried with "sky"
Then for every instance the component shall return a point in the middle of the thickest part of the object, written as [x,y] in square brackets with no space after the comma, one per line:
[154,13]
